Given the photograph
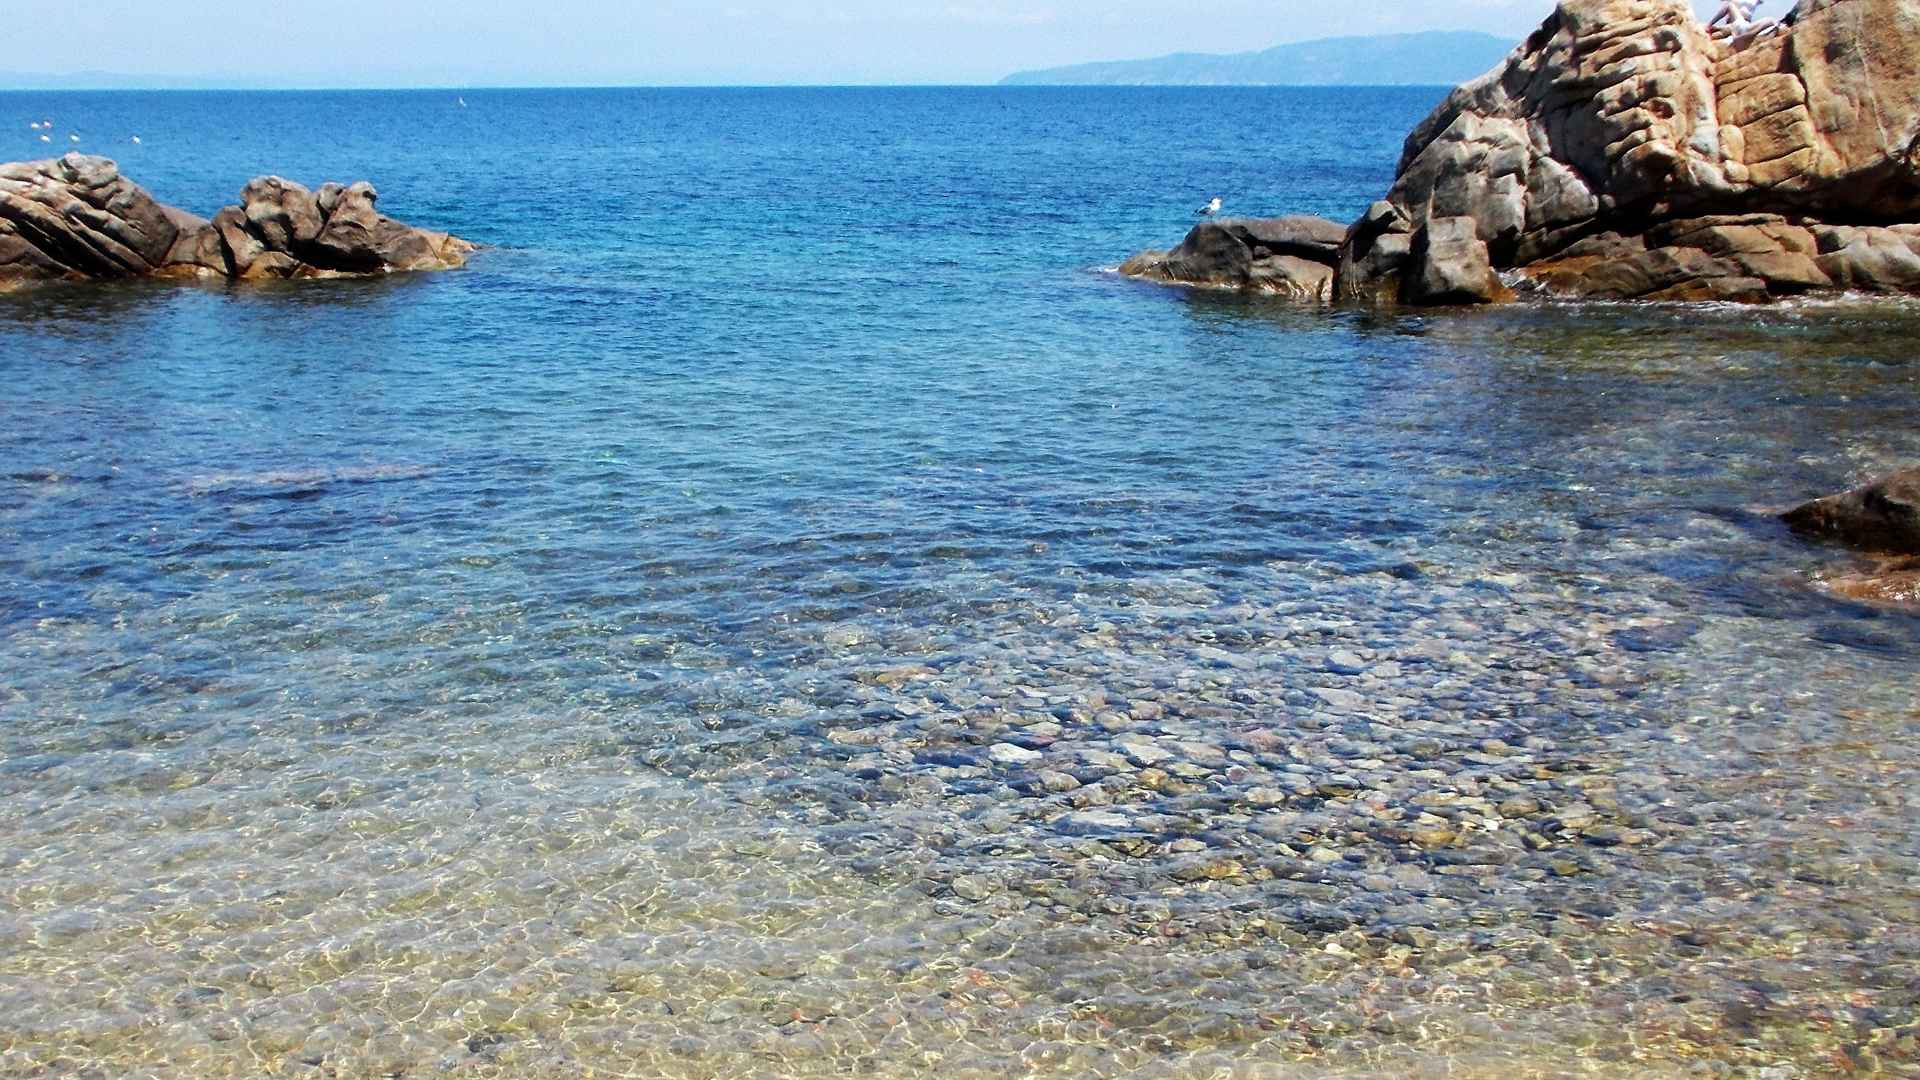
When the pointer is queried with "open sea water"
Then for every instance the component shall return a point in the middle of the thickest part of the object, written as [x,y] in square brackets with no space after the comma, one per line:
[788,609]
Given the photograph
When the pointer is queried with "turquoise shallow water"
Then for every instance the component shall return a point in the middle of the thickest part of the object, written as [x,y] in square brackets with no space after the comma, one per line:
[788,609]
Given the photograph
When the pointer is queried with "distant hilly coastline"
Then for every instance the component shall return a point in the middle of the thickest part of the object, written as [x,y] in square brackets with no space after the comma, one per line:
[1429,58]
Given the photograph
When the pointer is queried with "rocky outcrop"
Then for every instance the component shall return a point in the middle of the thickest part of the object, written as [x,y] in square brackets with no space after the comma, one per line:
[1291,256]
[1622,153]
[77,217]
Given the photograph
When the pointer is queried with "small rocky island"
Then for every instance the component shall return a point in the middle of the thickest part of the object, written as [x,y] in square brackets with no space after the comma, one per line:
[77,217]
[1623,153]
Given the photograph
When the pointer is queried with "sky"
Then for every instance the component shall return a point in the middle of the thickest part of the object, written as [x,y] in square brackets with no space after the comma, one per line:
[386,43]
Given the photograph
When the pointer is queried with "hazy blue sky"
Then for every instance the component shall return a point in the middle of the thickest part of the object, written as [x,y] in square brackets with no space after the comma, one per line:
[568,42]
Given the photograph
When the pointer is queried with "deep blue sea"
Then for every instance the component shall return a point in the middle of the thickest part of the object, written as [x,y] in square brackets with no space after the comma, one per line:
[788,608]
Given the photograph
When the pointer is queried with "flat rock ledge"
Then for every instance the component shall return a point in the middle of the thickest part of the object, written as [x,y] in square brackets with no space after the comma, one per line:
[1879,519]
[1620,153]
[77,217]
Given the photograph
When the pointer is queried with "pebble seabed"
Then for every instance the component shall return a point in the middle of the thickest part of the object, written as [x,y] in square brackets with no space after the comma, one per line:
[1509,799]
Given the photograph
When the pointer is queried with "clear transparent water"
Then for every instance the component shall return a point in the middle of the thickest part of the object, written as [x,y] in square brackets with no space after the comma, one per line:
[787,610]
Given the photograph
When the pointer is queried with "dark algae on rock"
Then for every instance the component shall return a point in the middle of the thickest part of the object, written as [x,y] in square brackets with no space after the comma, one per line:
[1622,153]
[78,217]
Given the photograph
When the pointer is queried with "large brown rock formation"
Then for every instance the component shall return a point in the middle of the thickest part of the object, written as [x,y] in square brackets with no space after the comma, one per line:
[1620,152]
[77,217]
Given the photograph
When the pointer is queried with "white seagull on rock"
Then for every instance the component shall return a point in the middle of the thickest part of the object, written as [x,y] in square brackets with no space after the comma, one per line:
[1210,209]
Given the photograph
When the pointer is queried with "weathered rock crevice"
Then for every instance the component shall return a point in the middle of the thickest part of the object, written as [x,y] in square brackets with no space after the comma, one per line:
[77,217]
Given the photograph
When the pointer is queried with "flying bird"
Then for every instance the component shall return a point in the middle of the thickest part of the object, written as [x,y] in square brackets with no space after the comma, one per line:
[1210,209]
[46,138]
[136,138]
[75,138]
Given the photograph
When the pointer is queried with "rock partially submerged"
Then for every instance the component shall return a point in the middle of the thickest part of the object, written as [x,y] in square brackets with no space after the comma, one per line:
[1894,582]
[1882,519]
[1293,256]
[77,217]
[1621,153]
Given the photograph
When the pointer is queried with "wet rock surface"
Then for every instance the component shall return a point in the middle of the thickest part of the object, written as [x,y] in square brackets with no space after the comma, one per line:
[77,217]
[1881,518]
[1892,582]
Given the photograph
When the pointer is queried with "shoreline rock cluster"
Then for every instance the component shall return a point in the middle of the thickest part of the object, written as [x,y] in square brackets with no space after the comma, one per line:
[1622,153]
[78,217]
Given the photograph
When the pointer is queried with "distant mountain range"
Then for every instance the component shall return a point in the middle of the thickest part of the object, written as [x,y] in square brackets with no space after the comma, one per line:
[1430,58]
